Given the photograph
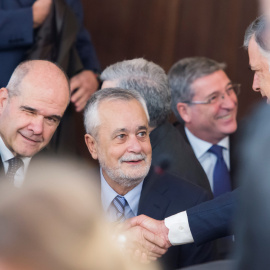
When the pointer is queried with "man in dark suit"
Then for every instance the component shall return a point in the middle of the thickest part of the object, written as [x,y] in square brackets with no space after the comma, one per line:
[118,136]
[31,107]
[169,149]
[204,100]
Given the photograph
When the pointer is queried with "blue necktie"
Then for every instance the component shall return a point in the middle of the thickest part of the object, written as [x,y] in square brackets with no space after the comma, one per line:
[221,176]
[119,204]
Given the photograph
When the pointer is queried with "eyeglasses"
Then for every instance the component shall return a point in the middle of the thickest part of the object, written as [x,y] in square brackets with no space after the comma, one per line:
[218,97]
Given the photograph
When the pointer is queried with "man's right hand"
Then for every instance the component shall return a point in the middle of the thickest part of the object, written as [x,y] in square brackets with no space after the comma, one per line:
[40,9]
[151,234]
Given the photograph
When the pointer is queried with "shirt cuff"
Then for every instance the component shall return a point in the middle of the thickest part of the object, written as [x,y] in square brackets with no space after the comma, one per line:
[179,231]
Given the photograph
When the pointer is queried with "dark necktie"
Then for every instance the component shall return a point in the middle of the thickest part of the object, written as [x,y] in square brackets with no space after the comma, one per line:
[221,176]
[14,164]
[119,203]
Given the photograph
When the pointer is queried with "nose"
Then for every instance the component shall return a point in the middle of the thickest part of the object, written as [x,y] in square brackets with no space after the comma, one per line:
[36,125]
[134,145]
[256,84]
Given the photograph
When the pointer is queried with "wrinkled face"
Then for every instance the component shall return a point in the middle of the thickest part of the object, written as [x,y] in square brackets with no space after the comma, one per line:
[123,145]
[212,122]
[259,64]
[28,121]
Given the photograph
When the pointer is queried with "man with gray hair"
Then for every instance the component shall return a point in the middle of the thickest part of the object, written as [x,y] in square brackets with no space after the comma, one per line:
[169,150]
[257,42]
[205,101]
[116,122]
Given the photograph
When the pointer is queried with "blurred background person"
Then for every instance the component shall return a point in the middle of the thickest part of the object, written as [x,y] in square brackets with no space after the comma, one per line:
[55,222]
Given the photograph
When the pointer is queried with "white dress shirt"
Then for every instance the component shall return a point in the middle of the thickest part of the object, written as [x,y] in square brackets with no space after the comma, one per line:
[5,156]
[132,197]
[208,160]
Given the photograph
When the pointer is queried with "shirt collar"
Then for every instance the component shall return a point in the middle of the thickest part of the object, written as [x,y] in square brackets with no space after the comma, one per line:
[200,147]
[108,194]
[6,154]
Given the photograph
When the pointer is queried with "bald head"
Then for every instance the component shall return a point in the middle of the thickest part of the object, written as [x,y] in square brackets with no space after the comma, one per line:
[32,105]
[38,69]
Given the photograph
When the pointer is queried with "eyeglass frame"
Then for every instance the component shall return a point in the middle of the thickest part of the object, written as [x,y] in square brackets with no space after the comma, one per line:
[207,102]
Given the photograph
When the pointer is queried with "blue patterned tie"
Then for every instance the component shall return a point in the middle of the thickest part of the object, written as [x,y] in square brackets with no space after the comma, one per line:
[119,204]
[221,176]
[14,164]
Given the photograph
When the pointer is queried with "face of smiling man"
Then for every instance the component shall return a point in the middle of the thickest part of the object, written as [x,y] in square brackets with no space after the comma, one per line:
[211,122]
[122,146]
[29,119]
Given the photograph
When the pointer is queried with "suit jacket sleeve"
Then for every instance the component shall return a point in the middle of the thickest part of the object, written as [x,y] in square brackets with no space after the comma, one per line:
[84,44]
[16,27]
[212,219]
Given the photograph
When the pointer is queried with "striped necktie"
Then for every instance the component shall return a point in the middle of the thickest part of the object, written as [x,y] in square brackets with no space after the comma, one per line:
[119,203]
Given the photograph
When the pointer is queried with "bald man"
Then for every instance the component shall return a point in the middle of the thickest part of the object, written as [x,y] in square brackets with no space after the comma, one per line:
[31,107]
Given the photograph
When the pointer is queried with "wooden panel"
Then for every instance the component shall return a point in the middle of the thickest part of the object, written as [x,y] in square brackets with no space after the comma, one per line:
[166,30]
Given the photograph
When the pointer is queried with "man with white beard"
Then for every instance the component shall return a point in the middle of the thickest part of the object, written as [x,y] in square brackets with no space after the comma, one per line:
[116,122]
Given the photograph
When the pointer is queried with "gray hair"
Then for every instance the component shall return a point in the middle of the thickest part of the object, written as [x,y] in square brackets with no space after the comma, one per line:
[184,73]
[259,28]
[149,80]
[91,113]
[22,70]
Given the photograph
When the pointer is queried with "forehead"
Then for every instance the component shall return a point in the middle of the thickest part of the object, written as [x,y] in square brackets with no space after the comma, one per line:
[44,93]
[206,85]
[122,114]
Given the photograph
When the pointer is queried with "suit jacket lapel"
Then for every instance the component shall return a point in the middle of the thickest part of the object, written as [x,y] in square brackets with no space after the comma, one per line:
[152,201]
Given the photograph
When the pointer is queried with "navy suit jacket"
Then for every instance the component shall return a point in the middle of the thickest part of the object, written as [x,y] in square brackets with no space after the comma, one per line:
[17,36]
[165,195]
[169,145]
[213,219]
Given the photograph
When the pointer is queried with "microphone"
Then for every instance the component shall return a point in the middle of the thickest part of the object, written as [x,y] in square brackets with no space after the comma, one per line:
[164,164]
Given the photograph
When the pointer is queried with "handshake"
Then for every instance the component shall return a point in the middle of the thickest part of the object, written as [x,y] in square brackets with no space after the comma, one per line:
[145,238]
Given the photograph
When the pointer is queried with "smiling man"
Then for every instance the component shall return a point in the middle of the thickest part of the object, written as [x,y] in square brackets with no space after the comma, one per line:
[31,106]
[205,100]
[116,122]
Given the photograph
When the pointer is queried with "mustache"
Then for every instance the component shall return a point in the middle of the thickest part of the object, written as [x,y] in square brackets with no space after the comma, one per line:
[132,157]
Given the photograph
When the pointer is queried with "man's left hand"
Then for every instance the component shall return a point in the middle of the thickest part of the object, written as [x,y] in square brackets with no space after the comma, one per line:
[86,84]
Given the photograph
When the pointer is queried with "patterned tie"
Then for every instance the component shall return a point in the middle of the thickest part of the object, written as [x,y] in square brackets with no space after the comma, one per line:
[118,204]
[14,164]
[221,176]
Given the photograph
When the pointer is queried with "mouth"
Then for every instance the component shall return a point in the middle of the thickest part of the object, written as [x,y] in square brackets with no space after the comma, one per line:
[225,117]
[133,162]
[30,140]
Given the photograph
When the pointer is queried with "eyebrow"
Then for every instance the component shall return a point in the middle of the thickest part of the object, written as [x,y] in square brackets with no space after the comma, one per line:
[119,130]
[30,109]
[228,84]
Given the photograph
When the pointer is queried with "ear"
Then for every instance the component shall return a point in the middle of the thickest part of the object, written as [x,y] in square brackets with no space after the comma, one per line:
[91,145]
[3,98]
[184,111]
